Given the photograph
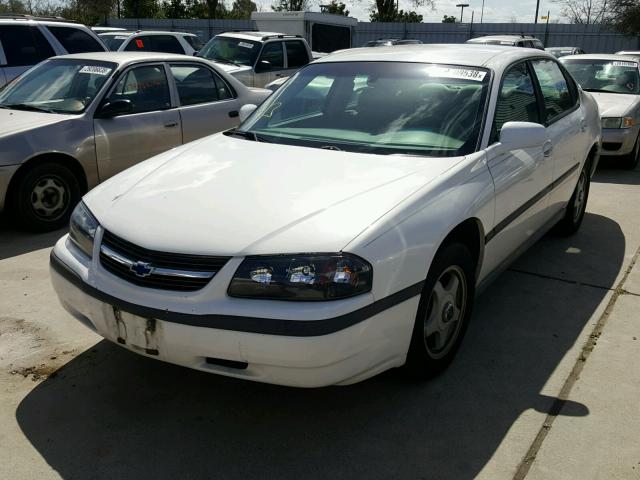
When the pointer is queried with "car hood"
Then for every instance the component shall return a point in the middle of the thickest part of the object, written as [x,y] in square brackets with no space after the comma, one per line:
[15,121]
[230,68]
[231,196]
[615,104]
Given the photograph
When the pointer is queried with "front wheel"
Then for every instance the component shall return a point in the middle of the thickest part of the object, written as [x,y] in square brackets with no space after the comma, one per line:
[577,206]
[44,197]
[444,310]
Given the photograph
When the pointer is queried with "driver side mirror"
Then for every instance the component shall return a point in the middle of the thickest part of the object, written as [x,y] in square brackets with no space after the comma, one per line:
[263,66]
[115,108]
[520,135]
[246,110]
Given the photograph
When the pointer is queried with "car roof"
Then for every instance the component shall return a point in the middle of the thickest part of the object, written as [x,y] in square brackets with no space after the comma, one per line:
[510,38]
[50,23]
[628,52]
[252,35]
[478,55]
[123,58]
[146,32]
[598,56]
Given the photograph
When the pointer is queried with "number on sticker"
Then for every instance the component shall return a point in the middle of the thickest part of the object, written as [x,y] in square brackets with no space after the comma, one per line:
[95,70]
[457,73]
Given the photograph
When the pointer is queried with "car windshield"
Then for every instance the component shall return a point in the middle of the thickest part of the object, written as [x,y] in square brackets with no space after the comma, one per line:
[376,107]
[113,42]
[231,50]
[611,76]
[58,86]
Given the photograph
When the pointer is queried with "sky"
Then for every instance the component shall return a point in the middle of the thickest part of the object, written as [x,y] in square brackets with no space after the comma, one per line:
[494,10]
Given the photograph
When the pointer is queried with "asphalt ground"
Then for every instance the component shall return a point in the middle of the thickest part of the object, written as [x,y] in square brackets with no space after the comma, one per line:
[546,384]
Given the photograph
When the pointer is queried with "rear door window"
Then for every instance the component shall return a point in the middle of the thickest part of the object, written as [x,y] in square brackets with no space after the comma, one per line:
[24,45]
[139,43]
[556,92]
[297,55]
[166,44]
[195,84]
[75,40]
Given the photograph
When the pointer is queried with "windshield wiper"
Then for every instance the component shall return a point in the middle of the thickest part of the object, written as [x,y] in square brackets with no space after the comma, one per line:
[26,106]
[246,134]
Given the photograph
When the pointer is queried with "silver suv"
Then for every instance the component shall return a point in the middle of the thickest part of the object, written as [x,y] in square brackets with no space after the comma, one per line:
[26,40]
[148,41]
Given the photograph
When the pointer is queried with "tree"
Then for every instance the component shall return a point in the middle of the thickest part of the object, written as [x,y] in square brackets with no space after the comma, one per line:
[291,5]
[586,12]
[140,8]
[387,11]
[335,7]
[242,9]
[625,16]
[89,12]
[397,16]
[449,19]
[174,9]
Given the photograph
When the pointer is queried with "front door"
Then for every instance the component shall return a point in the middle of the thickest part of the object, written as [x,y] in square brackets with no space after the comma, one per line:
[520,177]
[151,127]
[272,52]
[206,103]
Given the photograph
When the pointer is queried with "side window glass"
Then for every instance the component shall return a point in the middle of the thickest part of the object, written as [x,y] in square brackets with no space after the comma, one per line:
[272,53]
[138,43]
[224,92]
[517,101]
[145,87]
[24,45]
[166,44]
[195,84]
[554,87]
[297,55]
[75,40]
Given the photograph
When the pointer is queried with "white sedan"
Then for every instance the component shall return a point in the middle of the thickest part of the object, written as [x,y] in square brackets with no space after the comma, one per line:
[614,82]
[344,228]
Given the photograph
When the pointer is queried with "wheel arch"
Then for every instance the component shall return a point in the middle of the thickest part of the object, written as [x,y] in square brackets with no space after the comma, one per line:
[53,157]
[470,233]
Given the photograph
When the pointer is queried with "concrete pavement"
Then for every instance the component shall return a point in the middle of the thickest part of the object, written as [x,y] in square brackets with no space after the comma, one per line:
[545,385]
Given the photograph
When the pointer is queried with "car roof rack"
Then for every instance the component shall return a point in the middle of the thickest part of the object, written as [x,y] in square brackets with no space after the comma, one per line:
[269,37]
[25,16]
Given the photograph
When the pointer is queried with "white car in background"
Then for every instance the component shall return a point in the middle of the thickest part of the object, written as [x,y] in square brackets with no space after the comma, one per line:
[344,228]
[26,40]
[614,82]
[75,120]
[181,43]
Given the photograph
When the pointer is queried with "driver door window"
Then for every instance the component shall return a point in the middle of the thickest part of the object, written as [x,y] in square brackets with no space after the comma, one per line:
[145,87]
[272,53]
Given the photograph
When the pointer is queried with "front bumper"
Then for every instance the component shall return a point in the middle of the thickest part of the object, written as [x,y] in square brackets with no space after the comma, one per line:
[618,141]
[299,355]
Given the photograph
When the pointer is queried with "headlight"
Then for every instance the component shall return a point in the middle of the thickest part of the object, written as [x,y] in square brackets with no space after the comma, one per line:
[618,122]
[82,228]
[302,277]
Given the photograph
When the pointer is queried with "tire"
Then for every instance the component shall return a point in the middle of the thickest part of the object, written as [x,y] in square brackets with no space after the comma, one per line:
[631,161]
[574,214]
[44,197]
[443,313]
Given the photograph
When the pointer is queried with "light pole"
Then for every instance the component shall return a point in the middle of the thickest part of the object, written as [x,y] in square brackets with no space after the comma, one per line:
[482,12]
[537,10]
[462,7]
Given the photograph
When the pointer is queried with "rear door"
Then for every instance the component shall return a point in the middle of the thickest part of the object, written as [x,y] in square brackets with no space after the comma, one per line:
[23,47]
[207,103]
[151,128]
[520,176]
[566,127]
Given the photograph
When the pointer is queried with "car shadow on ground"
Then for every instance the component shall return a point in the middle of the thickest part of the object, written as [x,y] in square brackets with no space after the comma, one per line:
[14,242]
[609,171]
[113,414]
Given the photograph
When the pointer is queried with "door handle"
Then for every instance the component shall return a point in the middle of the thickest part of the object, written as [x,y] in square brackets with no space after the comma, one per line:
[233,113]
[547,148]
[170,124]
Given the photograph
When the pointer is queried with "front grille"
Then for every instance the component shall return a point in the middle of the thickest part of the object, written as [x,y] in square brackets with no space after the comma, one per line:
[159,270]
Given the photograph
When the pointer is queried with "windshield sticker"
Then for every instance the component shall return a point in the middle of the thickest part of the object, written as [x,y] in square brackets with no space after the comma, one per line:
[245,45]
[457,73]
[625,64]
[95,70]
